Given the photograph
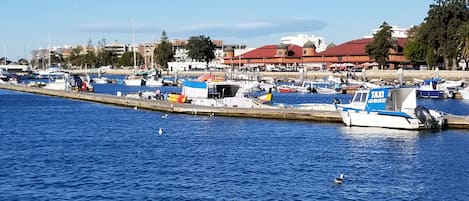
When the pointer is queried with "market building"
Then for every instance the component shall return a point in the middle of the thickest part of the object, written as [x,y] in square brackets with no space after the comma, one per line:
[287,56]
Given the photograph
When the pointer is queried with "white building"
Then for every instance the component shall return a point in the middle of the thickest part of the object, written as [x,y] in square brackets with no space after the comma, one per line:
[117,48]
[301,39]
[396,32]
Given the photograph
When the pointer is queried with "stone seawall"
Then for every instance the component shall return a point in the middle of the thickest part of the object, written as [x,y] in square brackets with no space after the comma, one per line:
[388,75]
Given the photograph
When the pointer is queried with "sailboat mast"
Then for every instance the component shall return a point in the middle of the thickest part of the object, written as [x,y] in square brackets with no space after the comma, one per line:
[133,45]
[48,52]
[5,52]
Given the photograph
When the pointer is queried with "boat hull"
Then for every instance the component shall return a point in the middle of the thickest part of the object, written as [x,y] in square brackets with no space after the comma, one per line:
[286,90]
[430,94]
[101,80]
[134,82]
[153,83]
[373,119]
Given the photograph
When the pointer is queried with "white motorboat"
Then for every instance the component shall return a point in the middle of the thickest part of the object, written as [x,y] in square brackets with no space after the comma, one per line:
[59,83]
[99,79]
[222,94]
[324,90]
[51,72]
[153,81]
[389,108]
[438,88]
[133,80]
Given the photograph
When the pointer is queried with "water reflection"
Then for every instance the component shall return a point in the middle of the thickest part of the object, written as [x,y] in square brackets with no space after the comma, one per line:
[383,133]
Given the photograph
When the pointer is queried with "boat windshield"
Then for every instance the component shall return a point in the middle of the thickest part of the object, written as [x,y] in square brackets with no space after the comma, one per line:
[360,97]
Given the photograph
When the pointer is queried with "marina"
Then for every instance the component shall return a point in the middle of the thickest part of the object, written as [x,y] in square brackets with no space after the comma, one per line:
[292,102]
[68,149]
[288,113]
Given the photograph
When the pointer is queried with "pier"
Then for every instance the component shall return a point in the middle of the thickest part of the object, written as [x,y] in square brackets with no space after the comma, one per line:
[452,121]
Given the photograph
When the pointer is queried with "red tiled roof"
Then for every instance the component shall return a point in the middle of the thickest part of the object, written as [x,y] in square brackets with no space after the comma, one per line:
[354,47]
[269,51]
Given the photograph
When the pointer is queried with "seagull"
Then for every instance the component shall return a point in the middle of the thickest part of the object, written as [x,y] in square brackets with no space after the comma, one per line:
[340,179]
[164,116]
[160,131]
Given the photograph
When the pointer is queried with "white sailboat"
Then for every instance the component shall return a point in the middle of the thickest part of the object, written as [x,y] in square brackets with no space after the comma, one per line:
[134,80]
[99,79]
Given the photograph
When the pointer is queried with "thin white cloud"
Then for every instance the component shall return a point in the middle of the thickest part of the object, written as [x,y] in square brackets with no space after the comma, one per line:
[254,25]
[214,30]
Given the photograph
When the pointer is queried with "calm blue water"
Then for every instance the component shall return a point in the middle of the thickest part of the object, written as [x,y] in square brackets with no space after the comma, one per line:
[60,149]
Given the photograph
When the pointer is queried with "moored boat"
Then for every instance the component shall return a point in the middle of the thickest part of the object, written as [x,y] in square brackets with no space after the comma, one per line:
[389,108]
[438,88]
[222,94]
[286,89]
[133,80]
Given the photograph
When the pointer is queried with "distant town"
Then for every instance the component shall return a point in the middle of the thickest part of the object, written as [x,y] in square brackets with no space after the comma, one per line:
[292,52]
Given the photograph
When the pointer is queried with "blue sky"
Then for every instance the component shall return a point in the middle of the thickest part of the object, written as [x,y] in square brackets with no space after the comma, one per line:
[28,24]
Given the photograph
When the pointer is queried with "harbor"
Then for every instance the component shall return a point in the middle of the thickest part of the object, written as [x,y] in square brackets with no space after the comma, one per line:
[304,100]
[287,113]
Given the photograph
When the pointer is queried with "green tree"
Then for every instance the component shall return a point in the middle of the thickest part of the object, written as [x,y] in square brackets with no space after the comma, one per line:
[463,35]
[414,52]
[105,58]
[382,42]
[440,27]
[4,60]
[127,59]
[201,48]
[23,61]
[75,57]
[431,58]
[90,59]
[164,52]
[56,59]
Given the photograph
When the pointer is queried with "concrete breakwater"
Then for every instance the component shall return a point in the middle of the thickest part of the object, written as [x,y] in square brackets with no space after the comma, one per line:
[166,106]
[452,121]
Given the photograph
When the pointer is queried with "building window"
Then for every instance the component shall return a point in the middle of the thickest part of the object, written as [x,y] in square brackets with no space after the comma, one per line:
[304,51]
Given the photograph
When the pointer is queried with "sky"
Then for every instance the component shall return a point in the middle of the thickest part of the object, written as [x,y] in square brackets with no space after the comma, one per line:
[28,25]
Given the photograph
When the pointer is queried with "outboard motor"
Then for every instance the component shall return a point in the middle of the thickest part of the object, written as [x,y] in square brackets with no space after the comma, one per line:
[423,114]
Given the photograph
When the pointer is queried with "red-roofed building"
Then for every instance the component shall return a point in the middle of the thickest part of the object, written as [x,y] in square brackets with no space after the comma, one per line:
[268,54]
[352,52]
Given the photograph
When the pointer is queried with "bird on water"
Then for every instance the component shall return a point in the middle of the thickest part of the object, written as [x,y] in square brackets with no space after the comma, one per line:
[160,131]
[340,179]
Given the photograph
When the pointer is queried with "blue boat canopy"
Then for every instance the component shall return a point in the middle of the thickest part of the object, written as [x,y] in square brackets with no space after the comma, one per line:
[194,84]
